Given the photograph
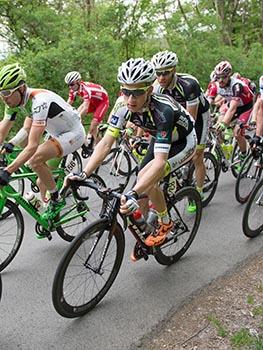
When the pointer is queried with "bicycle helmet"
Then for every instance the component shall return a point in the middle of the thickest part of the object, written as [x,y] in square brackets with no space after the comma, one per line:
[213,76]
[223,68]
[72,76]
[135,71]
[164,59]
[11,76]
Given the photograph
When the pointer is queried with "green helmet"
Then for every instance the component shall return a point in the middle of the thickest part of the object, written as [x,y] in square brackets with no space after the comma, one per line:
[11,76]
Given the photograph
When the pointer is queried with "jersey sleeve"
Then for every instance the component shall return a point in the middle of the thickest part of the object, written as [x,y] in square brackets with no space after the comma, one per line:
[194,94]
[117,118]
[237,90]
[71,96]
[39,111]
[86,93]
[10,113]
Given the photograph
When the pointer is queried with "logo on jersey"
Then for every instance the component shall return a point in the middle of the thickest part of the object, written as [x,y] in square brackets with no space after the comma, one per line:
[114,120]
[37,109]
[39,123]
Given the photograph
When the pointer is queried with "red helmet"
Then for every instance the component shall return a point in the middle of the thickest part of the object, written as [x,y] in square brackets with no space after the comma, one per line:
[223,68]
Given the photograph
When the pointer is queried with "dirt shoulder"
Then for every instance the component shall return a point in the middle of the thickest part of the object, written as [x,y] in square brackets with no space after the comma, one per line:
[228,314]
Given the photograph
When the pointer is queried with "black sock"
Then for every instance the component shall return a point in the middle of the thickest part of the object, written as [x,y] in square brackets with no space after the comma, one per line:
[54,196]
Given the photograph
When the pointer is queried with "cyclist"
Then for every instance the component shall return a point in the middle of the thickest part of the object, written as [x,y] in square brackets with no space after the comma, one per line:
[258,116]
[95,100]
[173,142]
[239,101]
[42,110]
[185,89]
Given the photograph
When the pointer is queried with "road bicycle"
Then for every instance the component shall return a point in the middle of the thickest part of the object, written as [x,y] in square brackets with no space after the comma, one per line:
[72,216]
[70,163]
[91,263]
[250,174]
[252,223]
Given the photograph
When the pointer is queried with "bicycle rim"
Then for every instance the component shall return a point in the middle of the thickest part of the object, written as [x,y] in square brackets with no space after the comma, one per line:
[185,229]
[12,233]
[252,218]
[247,178]
[83,276]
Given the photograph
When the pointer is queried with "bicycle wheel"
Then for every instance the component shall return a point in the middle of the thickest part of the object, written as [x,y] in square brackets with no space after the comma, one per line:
[211,177]
[88,269]
[1,287]
[116,168]
[215,151]
[185,226]
[73,163]
[12,233]
[252,222]
[247,178]
[71,229]
[235,161]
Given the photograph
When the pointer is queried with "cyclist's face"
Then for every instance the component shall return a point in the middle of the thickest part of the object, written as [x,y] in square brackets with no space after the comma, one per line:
[222,80]
[165,77]
[14,99]
[75,85]
[135,96]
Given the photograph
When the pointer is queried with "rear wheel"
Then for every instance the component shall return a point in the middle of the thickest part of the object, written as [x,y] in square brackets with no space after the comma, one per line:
[11,234]
[185,226]
[252,222]
[88,269]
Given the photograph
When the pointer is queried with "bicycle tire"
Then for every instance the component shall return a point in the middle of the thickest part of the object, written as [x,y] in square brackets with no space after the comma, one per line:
[235,158]
[247,178]
[78,302]
[113,171]
[70,230]
[9,240]
[250,217]
[211,177]
[1,287]
[175,247]
[217,154]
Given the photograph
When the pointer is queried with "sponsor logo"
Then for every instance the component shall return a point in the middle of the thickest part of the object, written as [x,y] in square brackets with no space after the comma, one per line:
[37,109]
[114,120]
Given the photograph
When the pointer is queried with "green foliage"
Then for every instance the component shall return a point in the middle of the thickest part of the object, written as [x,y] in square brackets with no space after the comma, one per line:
[221,330]
[52,37]
[243,339]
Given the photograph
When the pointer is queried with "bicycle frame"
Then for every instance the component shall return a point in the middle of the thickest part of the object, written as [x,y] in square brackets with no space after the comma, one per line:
[49,225]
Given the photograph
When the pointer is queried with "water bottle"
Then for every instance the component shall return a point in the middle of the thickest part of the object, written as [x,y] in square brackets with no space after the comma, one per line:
[152,219]
[89,141]
[227,149]
[139,219]
[228,134]
[32,198]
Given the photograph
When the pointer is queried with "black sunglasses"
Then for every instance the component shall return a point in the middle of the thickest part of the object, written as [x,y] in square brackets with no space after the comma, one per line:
[163,73]
[134,93]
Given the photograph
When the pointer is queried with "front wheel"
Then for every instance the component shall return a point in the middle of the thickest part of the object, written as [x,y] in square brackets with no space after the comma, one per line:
[252,222]
[247,178]
[185,225]
[88,269]
[11,234]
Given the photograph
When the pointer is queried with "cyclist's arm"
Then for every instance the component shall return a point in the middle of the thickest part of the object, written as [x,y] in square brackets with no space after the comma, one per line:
[101,150]
[259,117]
[230,112]
[34,138]
[5,126]
[83,108]
[192,109]
[22,135]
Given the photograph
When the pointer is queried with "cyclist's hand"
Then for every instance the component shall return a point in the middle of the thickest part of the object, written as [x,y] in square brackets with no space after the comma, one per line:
[74,177]
[4,177]
[256,141]
[7,148]
[220,126]
[129,203]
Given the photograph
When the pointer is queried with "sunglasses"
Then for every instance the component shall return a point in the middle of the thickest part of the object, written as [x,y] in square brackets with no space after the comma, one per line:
[135,92]
[164,72]
[72,84]
[221,77]
[8,93]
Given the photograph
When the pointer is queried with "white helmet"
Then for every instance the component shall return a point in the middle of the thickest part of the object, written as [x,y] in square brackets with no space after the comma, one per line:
[164,59]
[72,76]
[136,71]
[213,76]
[223,68]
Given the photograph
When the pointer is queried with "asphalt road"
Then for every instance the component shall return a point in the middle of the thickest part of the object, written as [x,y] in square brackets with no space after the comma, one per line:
[143,294]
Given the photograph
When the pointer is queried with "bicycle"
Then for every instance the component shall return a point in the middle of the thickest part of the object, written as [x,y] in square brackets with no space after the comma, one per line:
[252,224]
[88,149]
[91,263]
[70,163]
[250,174]
[70,219]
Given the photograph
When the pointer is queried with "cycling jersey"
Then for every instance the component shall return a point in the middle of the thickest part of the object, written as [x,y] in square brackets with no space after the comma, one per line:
[235,90]
[261,87]
[186,90]
[50,110]
[163,118]
[95,95]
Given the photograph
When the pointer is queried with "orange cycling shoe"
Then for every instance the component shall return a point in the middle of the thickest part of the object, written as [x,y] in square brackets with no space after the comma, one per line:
[159,236]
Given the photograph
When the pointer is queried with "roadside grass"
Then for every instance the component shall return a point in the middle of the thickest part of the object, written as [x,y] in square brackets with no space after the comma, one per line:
[244,338]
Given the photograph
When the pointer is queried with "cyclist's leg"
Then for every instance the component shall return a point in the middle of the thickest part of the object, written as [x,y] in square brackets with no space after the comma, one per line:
[201,128]
[98,116]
